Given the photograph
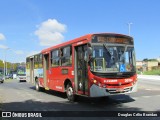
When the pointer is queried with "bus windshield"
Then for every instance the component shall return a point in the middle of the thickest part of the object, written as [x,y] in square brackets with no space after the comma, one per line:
[21,71]
[109,58]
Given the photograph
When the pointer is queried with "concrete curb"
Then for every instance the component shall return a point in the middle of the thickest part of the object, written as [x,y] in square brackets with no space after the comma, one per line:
[151,77]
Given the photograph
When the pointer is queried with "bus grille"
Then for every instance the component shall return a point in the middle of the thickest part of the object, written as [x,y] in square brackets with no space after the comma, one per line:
[118,90]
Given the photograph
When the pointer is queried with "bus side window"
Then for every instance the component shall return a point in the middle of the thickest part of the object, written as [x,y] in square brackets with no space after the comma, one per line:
[40,61]
[28,63]
[55,58]
[66,58]
[36,61]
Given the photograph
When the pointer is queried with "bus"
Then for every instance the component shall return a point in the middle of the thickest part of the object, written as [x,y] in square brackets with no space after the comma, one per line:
[94,65]
[21,73]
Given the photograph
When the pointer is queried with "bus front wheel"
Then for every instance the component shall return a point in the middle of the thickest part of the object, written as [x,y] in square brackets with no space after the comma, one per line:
[70,93]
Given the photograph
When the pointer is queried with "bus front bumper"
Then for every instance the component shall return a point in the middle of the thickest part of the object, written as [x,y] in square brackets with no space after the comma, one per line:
[96,91]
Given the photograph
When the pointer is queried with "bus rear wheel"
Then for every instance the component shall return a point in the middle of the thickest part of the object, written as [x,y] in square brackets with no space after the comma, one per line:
[70,93]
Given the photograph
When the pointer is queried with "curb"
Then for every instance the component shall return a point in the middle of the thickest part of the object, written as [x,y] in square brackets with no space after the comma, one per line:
[151,77]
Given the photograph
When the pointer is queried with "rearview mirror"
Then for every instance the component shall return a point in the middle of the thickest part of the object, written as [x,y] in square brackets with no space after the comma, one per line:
[88,53]
[89,50]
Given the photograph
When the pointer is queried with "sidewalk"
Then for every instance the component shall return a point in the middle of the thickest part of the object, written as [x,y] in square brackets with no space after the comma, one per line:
[152,77]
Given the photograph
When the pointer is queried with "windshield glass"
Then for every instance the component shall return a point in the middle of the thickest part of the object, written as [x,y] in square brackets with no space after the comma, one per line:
[113,58]
[21,71]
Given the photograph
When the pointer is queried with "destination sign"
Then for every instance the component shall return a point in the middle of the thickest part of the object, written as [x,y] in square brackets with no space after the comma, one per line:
[110,39]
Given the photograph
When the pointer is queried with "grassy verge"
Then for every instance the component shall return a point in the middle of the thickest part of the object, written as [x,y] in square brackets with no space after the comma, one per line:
[152,72]
[8,80]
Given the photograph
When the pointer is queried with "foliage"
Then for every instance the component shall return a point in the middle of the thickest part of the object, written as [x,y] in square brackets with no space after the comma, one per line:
[9,65]
[153,60]
[146,59]
[152,72]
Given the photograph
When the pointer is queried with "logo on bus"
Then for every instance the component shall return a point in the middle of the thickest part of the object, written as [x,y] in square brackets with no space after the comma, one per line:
[108,81]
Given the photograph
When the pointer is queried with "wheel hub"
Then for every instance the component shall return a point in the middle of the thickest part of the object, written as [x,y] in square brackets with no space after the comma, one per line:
[70,91]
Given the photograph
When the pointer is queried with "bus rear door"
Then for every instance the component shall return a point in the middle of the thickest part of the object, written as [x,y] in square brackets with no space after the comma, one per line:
[46,70]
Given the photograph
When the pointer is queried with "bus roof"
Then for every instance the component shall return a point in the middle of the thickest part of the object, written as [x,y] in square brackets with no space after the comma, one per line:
[85,37]
[67,43]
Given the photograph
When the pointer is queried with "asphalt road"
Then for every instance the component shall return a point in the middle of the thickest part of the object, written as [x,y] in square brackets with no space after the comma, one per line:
[22,96]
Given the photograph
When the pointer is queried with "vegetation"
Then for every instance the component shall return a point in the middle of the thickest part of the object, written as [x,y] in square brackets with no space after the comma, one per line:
[8,65]
[152,72]
[146,59]
[11,67]
[138,72]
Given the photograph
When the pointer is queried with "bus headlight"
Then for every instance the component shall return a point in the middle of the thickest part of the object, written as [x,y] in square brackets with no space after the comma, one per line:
[94,81]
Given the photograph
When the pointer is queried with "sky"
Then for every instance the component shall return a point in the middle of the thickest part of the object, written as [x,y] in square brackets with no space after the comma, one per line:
[28,26]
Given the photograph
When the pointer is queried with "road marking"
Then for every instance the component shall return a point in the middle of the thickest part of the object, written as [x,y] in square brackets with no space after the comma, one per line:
[146,96]
[149,79]
[147,89]
[38,100]
[152,89]
[136,98]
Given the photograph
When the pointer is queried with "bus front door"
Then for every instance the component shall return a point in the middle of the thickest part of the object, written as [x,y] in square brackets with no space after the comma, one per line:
[81,74]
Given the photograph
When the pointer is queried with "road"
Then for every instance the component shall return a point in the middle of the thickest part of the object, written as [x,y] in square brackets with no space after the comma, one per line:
[22,96]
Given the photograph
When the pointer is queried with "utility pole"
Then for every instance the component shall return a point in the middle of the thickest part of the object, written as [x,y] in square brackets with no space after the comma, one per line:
[5,50]
[129,28]
[4,62]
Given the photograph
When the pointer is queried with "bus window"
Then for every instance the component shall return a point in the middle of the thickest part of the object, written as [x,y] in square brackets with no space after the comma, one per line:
[40,61]
[67,56]
[28,63]
[36,61]
[55,58]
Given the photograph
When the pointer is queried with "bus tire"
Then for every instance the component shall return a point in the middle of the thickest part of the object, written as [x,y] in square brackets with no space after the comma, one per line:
[70,93]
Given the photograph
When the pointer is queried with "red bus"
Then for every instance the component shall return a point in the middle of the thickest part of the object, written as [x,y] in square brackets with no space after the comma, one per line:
[94,65]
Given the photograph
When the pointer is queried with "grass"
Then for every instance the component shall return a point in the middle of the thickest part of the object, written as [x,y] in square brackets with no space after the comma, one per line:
[8,80]
[152,72]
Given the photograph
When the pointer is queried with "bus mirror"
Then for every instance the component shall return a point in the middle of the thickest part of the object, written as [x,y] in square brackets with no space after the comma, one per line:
[88,54]
[89,51]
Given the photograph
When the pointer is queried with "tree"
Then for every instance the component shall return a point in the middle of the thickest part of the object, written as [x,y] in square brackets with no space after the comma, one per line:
[145,60]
